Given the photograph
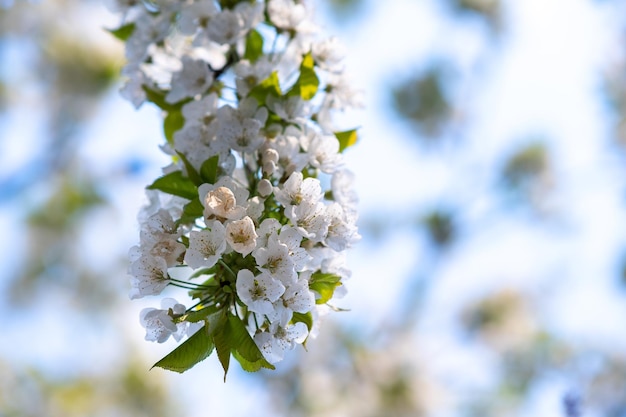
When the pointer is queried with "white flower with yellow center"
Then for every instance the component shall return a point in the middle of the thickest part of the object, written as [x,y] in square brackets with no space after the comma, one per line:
[241,235]
[159,323]
[194,78]
[206,246]
[275,260]
[258,292]
[278,339]
[149,276]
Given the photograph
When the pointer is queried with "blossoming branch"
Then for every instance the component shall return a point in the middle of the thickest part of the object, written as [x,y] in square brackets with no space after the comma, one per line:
[253,216]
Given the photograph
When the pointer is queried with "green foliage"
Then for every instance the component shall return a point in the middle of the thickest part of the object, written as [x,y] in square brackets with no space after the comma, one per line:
[440,226]
[231,336]
[191,211]
[79,71]
[193,350]
[175,183]
[306,318]
[70,200]
[487,8]
[254,46]
[209,170]
[324,285]
[158,98]
[346,139]
[526,166]
[123,32]
[173,122]
[422,101]
[195,316]
[193,175]
[307,84]
[269,86]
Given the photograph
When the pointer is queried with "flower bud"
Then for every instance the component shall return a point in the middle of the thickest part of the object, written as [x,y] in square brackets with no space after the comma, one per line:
[264,188]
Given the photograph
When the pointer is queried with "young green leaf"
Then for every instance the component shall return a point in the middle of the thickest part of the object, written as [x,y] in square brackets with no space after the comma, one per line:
[254,46]
[158,97]
[208,170]
[173,122]
[203,271]
[193,350]
[269,86]
[199,315]
[191,211]
[222,342]
[123,32]
[193,175]
[306,318]
[307,84]
[245,350]
[324,285]
[175,183]
[346,139]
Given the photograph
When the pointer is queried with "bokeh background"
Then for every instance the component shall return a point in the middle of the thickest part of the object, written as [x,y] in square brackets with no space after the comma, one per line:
[491,275]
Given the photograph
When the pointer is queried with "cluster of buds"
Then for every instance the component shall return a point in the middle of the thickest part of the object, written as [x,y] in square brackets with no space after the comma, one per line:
[255,212]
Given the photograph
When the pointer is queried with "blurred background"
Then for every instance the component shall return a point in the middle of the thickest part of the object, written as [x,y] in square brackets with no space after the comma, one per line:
[491,277]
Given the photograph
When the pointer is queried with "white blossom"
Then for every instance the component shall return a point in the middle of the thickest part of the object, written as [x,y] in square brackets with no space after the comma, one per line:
[311,222]
[296,298]
[240,127]
[342,186]
[292,238]
[258,292]
[194,61]
[149,276]
[195,17]
[241,235]
[286,14]
[278,339]
[159,323]
[221,202]
[323,151]
[194,78]
[266,229]
[342,230]
[328,54]
[206,246]
[274,259]
[249,75]
[298,192]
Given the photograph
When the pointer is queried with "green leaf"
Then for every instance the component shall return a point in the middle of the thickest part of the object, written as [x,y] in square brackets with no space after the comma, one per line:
[346,139]
[191,171]
[306,318]
[208,170]
[231,336]
[199,315]
[308,82]
[158,97]
[203,271]
[176,183]
[191,211]
[245,350]
[123,32]
[193,350]
[269,86]
[222,343]
[324,285]
[254,46]
[173,122]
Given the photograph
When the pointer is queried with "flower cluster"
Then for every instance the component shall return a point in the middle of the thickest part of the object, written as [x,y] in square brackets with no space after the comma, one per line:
[255,212]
